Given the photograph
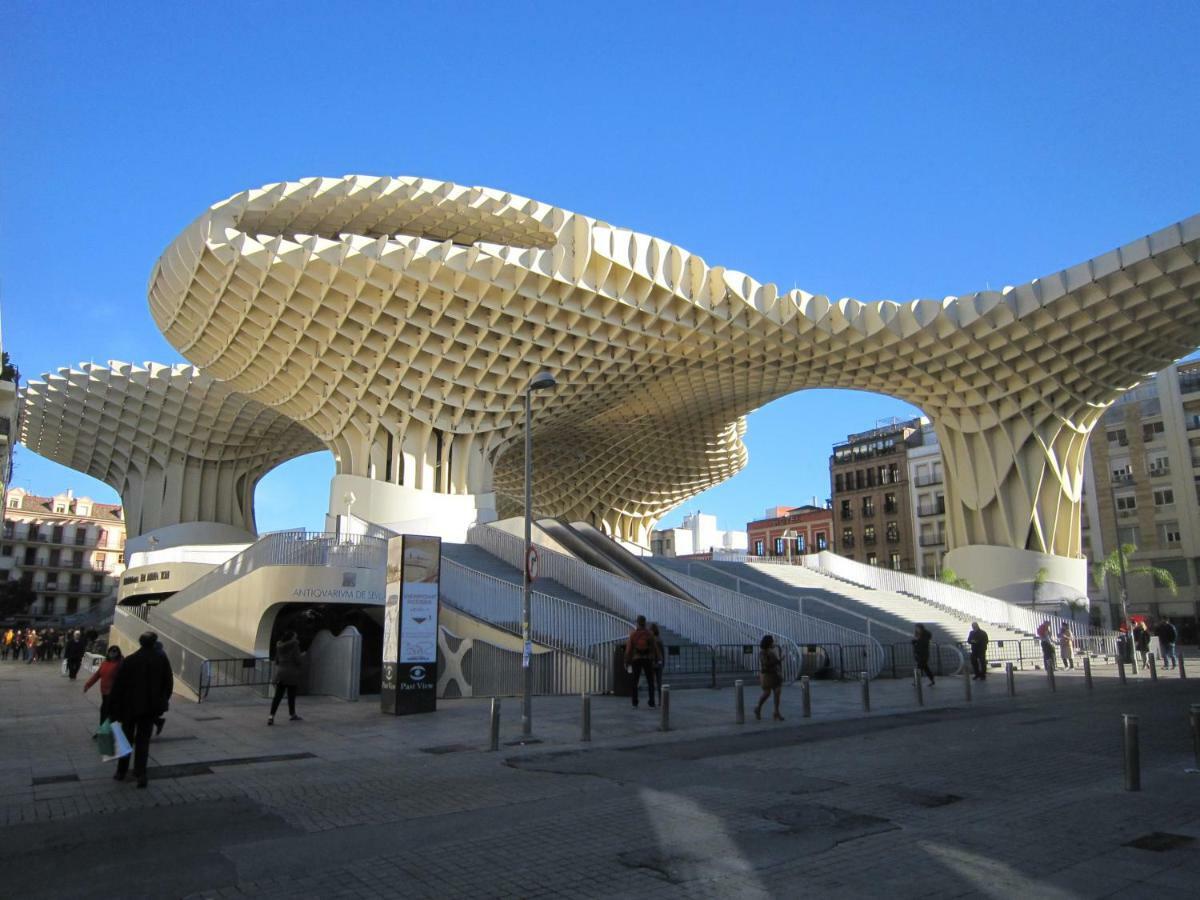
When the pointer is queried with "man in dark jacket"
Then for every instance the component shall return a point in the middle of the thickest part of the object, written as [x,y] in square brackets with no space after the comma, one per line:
[641,654]
[978,639]
[74,654]
[140,694]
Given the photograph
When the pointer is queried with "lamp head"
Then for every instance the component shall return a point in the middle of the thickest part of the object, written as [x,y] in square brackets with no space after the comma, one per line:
[543,381]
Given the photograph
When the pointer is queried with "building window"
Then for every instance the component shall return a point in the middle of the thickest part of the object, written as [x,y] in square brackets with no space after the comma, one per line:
[1163,497]
[1117,436]
[894,561]
[8,529]
[780,547]
[1169,534]
[120,559]
[758,548]
[1127,504]
[6,550]
[894,473]
[893,533]
[56,534]
[1151,431]
[869,535]
[100,559]
[14,503]
[847,513]
[80,536]
[60,508]
[847,537]
[822,541]
[1122,471]
[1159,465]
[838,483]
[1129,534]
[868,506]
[889,503]
[872,559]
[72,605]
[800,543]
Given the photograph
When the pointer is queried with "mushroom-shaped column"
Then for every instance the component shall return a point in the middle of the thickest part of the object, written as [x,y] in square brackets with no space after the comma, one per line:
[401,319]
[177,446]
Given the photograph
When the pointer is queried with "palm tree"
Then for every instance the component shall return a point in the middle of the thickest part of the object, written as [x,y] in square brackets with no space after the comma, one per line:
[1111,565]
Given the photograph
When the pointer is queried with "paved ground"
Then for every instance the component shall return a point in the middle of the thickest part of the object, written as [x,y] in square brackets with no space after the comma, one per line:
[1000,798]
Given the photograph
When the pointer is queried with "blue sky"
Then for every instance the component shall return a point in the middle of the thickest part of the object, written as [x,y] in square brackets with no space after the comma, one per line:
[872,150]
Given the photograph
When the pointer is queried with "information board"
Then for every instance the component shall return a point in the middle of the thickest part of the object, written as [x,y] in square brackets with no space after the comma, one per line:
[410,624]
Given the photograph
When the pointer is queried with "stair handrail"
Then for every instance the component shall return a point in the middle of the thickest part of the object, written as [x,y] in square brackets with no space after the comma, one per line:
[554,622]
[777,620]
[970,605]
[628,599]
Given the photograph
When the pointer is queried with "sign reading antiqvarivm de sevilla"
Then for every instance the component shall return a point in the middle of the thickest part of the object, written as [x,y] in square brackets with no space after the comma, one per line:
[410,625]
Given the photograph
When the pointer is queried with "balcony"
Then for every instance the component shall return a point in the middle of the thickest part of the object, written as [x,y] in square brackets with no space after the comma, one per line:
[868,512]
[893,538]
[932,540]
[869,540]
[847,514]
[847,543]
[1161,471]
[932,509]
[1126,513]
[927,480]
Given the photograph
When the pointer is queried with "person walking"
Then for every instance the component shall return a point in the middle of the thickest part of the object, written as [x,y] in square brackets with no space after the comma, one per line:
[641,656]
[141,693]
[1141,642]
[978,641]
[1066,646]
[288,668]
[1167,635]
[1043,634]
[660,660]
[770,675]
[8,642]
[922,637]
[74,654]
[31,646]
[106,675]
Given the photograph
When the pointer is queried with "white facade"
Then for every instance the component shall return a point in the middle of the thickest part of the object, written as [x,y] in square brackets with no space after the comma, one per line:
[927,501]
[698,534]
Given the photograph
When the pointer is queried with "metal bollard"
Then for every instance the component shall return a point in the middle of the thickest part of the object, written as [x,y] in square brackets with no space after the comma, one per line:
[1012,680]
[806,696]
[739,687]
[1182,667]
[1194,715]
[586,716]
[1133,764]
[494,725]
[967,685]
[1050,678]
[665,702]
[1120,670]
[920,690]
[1087,672]
[866,692]
[1153,667]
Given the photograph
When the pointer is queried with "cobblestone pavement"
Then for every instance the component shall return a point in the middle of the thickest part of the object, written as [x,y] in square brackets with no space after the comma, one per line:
[1001,797]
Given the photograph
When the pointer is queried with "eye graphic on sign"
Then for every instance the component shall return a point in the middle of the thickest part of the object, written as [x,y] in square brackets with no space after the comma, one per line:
[416,673]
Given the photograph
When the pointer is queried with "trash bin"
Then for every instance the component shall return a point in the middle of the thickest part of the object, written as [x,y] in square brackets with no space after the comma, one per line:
[622,683]
[1125,649]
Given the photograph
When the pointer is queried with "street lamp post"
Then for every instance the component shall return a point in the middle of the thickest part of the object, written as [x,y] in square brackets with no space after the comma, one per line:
[541,382]
[1112,492]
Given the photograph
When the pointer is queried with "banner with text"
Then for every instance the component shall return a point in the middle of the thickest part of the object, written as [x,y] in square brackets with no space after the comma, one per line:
[410,624]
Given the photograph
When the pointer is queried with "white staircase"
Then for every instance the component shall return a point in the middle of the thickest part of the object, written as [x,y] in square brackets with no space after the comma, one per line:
[946,625]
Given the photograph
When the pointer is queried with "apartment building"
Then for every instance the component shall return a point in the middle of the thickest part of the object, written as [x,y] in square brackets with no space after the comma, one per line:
[872,503]
[70,550]
[8,418]
[927,500]
[791,531]
[1142,487]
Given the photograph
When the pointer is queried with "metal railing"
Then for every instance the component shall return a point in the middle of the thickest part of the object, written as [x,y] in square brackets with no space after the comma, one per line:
[288,548]
[251,671]
[944,659]
[774,619]
[554,622]
[965,604]
[628,599]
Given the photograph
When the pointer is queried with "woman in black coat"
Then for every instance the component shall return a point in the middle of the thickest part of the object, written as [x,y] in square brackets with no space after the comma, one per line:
[921,638]
[288,664]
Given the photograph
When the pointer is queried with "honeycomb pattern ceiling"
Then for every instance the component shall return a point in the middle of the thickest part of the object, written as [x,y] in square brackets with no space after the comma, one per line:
[177,445]
[400,319]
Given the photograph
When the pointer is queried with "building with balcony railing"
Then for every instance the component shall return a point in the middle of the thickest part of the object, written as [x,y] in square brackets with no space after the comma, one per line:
[870,481]
[1142,487]
[790,532]
[69,550]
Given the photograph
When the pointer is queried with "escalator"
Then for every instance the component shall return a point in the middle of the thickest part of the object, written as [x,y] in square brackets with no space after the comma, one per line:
[594,547]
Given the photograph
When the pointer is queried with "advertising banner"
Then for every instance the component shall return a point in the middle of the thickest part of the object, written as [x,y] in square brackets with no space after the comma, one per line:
[410,625]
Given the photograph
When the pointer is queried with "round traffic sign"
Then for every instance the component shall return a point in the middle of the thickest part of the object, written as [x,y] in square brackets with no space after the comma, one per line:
[531,563]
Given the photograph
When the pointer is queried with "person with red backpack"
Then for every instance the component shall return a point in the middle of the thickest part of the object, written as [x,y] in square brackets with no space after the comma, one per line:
[641,655]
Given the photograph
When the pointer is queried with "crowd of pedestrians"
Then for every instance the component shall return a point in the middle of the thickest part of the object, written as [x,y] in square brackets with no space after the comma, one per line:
[32,645]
